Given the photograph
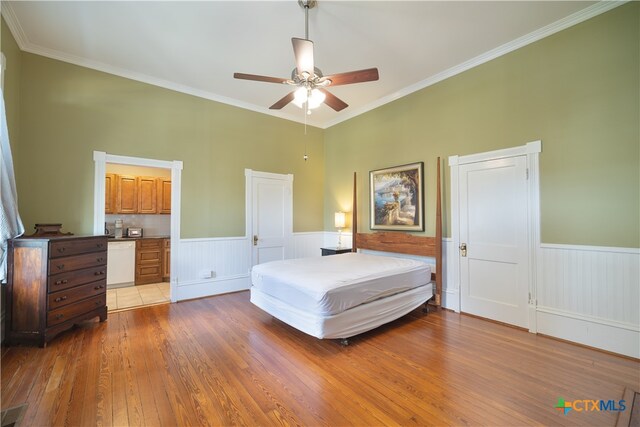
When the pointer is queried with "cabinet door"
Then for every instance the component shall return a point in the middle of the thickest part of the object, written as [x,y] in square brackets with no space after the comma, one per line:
[148,261]
[127,196]
[147,201]
[110,193]
[166,260]
[164,195]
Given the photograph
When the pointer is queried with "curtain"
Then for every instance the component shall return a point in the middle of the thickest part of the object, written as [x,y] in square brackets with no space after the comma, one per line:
[10,223]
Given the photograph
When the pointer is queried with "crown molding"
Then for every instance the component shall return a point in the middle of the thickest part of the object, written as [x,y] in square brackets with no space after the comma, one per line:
[6,10]
[569,21]
[166,84]
[555,27]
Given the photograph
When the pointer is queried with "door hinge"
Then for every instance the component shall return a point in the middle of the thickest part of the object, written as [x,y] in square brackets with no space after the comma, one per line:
[527,173]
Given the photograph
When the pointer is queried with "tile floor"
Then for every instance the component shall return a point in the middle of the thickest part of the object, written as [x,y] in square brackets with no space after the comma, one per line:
[135,296]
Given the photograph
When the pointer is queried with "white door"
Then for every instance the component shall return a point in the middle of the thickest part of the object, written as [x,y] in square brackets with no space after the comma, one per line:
[493,227]
[272,217]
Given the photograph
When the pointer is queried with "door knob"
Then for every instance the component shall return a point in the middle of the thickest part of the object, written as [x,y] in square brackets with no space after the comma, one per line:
[463,249]
[255,240]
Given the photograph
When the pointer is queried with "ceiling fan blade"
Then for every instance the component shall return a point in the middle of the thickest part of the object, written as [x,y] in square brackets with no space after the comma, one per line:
[257,78]
[360,76]
[333,101]
[283,101]
[303,51]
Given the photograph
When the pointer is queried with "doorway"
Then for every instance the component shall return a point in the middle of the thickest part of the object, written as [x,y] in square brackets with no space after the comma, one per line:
[495,229]
[137,201]
[271,216]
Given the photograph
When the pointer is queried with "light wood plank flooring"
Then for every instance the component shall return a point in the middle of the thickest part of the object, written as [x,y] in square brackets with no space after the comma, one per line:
[222,361]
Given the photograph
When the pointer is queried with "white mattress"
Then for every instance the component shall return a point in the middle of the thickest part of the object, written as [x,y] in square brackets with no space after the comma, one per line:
[350,322]
[329,285]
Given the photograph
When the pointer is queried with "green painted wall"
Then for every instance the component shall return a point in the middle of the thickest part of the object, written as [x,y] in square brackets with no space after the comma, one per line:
[578,91]
[67,112]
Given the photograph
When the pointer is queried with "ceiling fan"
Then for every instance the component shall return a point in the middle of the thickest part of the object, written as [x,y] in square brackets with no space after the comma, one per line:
[309,81]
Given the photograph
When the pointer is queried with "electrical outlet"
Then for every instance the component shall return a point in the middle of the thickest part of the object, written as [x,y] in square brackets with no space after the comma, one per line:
[207,274]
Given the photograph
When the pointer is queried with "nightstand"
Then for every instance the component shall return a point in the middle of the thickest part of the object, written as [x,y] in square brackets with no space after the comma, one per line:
[334,251]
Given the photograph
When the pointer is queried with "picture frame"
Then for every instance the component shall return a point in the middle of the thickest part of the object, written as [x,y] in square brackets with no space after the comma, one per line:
[396,197]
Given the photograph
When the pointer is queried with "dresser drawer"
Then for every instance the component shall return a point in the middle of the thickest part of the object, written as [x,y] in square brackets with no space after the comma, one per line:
[78,246]
[61,265]
[70,311]
[76,278]
[62,298]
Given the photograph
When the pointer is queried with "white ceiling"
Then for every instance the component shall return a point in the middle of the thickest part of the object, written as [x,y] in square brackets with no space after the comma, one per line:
[195,47]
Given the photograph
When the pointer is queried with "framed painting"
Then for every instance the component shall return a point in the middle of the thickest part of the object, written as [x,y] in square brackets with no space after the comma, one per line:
[397,198]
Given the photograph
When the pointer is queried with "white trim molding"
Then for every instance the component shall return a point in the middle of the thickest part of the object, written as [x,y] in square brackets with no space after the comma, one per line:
[26,45]
[562,24]
[101,159]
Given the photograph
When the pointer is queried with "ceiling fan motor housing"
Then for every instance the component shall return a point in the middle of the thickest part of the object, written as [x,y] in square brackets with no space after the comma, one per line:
[307,3]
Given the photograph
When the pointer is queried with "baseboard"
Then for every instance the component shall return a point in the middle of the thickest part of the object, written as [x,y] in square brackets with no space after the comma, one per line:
[622,339]
[210,287]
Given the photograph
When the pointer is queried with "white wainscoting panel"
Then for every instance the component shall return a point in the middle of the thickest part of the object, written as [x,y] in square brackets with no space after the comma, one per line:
[212,266]
[590,295]
[308,244]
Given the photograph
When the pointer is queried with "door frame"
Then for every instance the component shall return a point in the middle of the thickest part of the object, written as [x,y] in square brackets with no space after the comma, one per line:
[249,232]
[101,159]
[532,151]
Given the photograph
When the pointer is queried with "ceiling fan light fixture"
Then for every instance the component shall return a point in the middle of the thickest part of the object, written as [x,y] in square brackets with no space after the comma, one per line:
[316,98]
[309,82]
[312,97]
[300,96]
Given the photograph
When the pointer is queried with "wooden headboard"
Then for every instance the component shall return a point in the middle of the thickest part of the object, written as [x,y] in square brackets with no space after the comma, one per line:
[404,243]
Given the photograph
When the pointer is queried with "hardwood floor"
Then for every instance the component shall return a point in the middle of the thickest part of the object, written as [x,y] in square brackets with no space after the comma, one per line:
[222,361]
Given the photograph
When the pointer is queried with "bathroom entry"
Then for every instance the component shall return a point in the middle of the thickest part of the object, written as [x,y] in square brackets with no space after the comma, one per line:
[138,223]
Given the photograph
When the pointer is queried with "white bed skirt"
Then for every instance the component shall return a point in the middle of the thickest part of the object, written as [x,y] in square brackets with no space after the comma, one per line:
[351,322]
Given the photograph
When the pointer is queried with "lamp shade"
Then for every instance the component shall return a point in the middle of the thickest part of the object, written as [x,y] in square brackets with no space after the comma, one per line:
[340,220]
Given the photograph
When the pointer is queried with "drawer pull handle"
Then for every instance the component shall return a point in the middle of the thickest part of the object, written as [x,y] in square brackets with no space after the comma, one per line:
[62,249]
[61,282]
[100,259]
[59,316]
[60,266]
[97,302]
[98,287]
[98,273]
[100,245]
[60,299]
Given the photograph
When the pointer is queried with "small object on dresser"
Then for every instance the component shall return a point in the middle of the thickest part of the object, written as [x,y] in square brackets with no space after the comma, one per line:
[334,251]
[49,230]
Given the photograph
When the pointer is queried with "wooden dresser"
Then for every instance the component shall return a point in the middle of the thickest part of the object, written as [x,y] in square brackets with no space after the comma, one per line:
[54,283]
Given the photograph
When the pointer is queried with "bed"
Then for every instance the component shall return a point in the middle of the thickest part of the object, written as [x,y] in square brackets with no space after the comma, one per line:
[341,296]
